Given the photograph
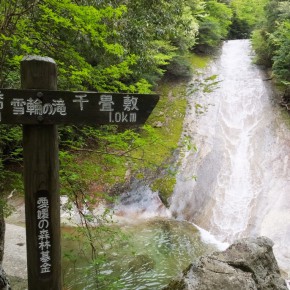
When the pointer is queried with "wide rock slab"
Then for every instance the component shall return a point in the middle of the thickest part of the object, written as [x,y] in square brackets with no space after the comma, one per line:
[247,264]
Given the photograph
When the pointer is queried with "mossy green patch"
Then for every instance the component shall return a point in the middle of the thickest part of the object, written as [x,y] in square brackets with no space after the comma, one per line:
[165,186]
[167,121]
[198,61]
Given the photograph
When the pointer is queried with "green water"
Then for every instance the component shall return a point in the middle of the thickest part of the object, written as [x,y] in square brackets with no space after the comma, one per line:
[147,256]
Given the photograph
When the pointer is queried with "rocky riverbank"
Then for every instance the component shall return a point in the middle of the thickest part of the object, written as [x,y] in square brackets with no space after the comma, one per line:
[247,264]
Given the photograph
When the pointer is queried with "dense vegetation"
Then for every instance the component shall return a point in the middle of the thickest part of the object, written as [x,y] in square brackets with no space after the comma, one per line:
[124,46]
[246,16]
[271,41]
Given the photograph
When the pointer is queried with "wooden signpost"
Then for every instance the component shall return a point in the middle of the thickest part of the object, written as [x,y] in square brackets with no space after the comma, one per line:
[40,107]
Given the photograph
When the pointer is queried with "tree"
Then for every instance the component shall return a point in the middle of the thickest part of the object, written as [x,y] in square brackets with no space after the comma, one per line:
[10,14]
[271,41]
[81,39]
[246,16]
[156,31]
[281,55]
[214,24]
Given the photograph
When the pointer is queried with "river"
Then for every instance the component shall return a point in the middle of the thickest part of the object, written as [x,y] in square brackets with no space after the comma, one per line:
[235,181]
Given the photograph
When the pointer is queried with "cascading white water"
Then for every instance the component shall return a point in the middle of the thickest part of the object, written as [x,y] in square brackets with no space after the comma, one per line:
[242,166]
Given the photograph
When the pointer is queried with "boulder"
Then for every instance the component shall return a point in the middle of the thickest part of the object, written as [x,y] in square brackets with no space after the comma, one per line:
[246,264]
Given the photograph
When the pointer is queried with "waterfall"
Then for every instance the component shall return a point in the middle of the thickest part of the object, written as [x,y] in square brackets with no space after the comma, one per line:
[235,182]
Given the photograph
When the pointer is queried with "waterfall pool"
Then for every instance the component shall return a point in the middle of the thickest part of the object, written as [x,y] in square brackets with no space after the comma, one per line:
[147,256]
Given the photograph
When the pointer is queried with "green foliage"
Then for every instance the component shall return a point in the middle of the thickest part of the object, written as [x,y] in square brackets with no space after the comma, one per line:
[85,49]
[10,158]
[271,14]
[239,29]
[10,142]
[271,41]
[281,56]
[214,24]
[249,11]
[247,15]
[83,40]
[156,30]
[165,186]
[187,28]
[180,67]
[10,161]
[260,43]
[198,61]
[99,45]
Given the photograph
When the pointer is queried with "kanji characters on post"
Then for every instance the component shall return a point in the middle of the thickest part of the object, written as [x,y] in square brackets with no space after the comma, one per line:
[43,235]
[129,113]
[37,108]
[61,107]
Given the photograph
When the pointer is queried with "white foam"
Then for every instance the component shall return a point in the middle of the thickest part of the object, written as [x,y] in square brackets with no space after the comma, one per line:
[208,238]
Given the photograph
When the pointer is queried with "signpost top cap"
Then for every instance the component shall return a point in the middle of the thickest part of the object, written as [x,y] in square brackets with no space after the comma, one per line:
[38,72]
[38,58]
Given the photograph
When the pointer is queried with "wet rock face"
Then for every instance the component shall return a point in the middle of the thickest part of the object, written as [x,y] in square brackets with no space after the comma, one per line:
[247,264]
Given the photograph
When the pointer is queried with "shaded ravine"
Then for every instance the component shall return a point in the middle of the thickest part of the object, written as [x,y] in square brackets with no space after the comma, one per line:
[237,183]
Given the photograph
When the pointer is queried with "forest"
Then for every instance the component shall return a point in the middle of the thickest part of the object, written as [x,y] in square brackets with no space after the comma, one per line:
[130,46]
